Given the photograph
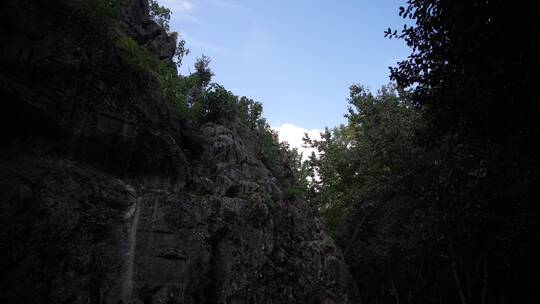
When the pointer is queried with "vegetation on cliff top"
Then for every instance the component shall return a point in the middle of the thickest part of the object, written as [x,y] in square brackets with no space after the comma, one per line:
[195,99]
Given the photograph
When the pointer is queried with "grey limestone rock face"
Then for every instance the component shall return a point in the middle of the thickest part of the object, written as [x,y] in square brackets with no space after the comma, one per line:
[147,31]
[106,200]
[227,237]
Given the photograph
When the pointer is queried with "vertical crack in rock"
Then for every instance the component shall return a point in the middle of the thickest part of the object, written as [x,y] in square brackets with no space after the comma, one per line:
[133,215]
[213,289]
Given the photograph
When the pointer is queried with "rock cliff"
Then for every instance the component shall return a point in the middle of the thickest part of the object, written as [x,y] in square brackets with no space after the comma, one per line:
[107,199]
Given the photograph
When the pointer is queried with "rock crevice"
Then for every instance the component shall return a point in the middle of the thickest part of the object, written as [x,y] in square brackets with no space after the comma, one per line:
[106,199]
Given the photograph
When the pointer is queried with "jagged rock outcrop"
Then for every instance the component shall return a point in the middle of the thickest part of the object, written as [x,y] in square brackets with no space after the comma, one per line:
[106,199]
[148,32]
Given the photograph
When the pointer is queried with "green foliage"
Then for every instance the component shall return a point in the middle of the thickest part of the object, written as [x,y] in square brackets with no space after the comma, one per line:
[193,98]
[270,148]
[202,70]
[480,103]
[302,172]
[362,189]
[181,50]
[293,192]
[431,191]
[176,91]
[220,103]
[250,112]
[160,14]
[135,55]
[275,155]
[186,97]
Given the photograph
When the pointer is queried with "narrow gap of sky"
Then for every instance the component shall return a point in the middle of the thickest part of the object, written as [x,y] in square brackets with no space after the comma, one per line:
[296,57]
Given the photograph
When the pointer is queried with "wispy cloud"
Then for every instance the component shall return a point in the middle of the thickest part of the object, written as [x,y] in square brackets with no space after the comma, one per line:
[178,6]
[226,4]
[189,9]
[206,46]
[181,9]
[209,46]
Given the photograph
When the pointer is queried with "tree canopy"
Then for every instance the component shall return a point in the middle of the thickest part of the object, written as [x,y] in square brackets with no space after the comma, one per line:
[430,186]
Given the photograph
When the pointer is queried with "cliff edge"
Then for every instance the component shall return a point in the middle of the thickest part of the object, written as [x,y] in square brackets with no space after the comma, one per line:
[108,198]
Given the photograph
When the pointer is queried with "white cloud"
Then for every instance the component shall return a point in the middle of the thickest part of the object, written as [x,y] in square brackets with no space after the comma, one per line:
[294,134]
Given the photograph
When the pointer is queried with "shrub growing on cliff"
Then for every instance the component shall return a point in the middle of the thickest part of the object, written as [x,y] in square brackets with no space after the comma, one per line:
[160,14]
[135,55]
[196,99]
[250,112]
[178,92]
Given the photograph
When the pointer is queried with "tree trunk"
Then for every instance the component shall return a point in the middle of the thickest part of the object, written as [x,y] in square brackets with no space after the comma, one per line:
[395,291]
[354,236]
[456,276]
[485,282]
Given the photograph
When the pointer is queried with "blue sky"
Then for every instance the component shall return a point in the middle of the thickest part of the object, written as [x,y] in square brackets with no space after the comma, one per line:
[297,57]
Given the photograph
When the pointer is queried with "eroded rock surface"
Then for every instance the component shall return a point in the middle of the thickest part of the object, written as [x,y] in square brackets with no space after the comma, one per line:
[106,200]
